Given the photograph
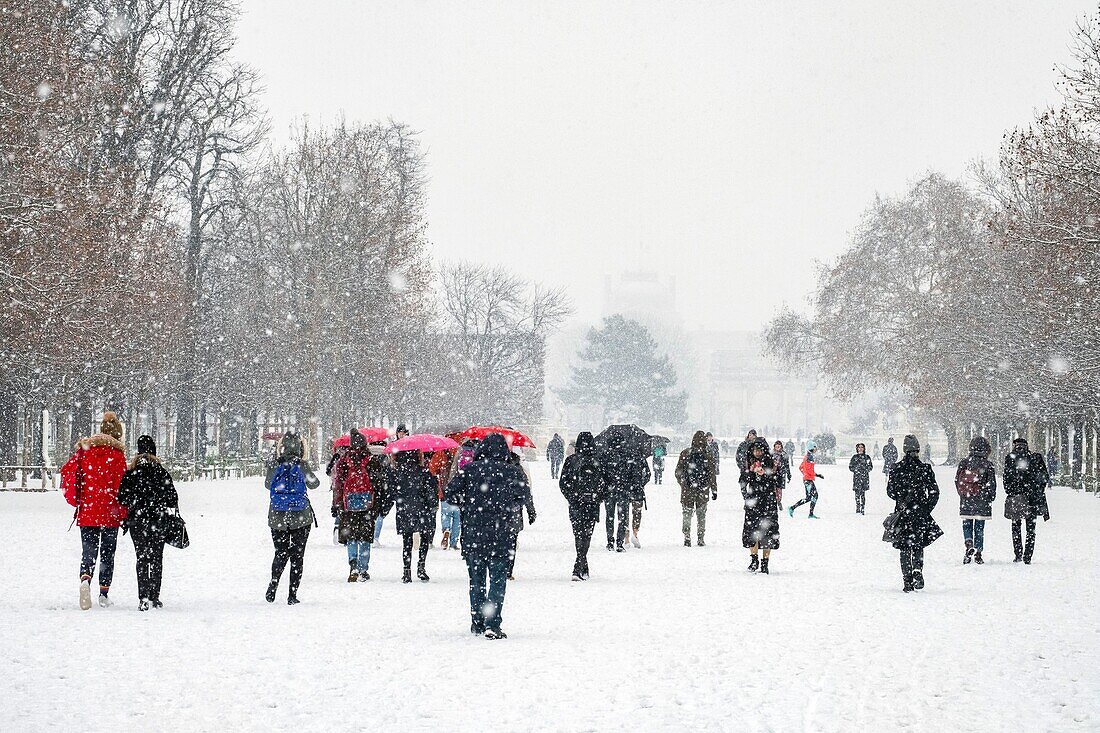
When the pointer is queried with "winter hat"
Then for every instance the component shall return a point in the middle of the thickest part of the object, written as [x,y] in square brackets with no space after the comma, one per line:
[111,425]
[401,429]
[810,445]
[292,446]
[358,440]
[146,444]
[979,446]
[1021,442]
[910,444]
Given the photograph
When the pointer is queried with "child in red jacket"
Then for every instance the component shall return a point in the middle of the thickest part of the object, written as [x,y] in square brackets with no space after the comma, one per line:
[90,480]
[809,473]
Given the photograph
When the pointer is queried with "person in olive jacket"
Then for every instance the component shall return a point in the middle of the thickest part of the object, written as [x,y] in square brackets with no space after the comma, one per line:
[976,482]
[1026,481]
[860,466]
[698,479]
[147,492]
[912,486]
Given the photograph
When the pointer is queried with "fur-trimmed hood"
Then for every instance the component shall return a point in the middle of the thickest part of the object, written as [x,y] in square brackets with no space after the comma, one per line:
[101,440]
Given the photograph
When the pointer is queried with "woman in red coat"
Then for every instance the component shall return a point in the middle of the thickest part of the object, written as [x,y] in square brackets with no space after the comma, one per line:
[91,479]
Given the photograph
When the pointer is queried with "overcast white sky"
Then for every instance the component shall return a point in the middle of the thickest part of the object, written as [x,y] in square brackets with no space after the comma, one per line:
[732,142]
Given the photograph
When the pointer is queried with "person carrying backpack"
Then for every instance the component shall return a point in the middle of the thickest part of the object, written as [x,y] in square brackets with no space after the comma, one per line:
[148,494]
[289,515]
[584,488]
[976,482]
[698,479]
[90,479]
[808,467]
[861,467]
[356,499]
[658,463]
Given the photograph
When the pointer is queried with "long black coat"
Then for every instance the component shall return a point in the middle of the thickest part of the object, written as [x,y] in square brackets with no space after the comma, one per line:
[582,483]
[413,491]
[913,488]
[147,491]
[860,465]
[626,475]
[1026,475]
[490,492]
[889,457]
[761,505]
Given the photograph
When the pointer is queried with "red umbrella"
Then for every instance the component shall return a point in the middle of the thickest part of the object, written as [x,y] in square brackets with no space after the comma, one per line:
[424,441]
[515,438]
[373,435]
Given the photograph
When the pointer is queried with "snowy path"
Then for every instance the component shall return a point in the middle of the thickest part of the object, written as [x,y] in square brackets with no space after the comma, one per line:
[665,638]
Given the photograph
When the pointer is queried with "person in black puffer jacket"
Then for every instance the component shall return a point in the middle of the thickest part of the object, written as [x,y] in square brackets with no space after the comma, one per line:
[976,482]
[912,486]
[149,495]
[584,488]
[1026,480]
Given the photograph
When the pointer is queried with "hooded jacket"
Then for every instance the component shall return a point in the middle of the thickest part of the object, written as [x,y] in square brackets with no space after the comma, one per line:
[582,482]
[147,492]
[91,478]
[696,472]
[1026,475]
[489,492]
[976,482]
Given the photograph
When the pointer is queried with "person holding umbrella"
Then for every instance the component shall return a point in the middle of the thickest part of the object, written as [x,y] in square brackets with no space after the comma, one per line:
[626,473]
[416,499]
[490,492]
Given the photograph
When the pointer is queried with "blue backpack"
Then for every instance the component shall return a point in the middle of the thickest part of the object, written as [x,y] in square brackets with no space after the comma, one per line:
[288,488]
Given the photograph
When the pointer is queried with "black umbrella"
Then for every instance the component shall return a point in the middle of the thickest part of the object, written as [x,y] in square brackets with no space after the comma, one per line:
[629,438]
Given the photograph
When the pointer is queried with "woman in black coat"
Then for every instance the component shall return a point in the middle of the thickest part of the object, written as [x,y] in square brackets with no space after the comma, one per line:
[976,482]
[912,486]
[148,494]
[415,492]
[861,467]
[760,489]
[1026,481]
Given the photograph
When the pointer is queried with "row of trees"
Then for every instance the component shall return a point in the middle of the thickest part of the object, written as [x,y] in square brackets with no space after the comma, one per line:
[161,258]
[976,301]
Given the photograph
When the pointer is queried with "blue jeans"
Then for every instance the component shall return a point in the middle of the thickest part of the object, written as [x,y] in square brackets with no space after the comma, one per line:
[974,530]
[359,554]
[450,519]
[378,527]
[486,604]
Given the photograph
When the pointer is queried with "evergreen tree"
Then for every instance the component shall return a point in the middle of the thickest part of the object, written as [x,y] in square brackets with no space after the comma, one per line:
[622,372]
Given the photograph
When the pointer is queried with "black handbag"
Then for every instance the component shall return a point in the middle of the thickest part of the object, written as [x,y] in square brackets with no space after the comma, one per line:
[175,530]
[889,526]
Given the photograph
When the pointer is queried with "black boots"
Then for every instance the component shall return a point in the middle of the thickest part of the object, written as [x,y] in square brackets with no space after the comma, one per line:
[918,580]
[407,577]
[421,574]
[764,566]
[687,542]
[978,558]
[754,564]
[968,556]
[271,588]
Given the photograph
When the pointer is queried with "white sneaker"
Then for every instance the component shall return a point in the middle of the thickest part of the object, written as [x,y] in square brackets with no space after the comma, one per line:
[85,595]
[104,601]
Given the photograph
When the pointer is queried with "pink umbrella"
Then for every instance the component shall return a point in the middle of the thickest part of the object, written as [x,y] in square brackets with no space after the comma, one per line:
[373,435]
[424,441]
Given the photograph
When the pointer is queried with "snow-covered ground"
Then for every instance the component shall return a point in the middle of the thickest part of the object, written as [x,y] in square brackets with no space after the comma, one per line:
[663,638]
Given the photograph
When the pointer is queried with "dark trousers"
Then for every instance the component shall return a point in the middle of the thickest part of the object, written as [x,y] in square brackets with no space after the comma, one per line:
[488,582]
[811,496]
[98,543]
[1022,550]
[616,508]
[426,541]
[912,559]
[861,500]
[555,467]
[149,548]
[290,546]
[583,517]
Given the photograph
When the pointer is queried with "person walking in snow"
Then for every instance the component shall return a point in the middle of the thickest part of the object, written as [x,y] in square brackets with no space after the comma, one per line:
[658,463]
[889,457]
[860,465]
[912,486]
[415,496]
[761,527]
[695,472]
[626,473]
[359,490]
[555,454]
[147,492]
[490,492]
[290,515]
[583,485]
[529,506]
[782,470]
[976,482]
[90,479]
[808,468]
[715,453]
[742,454]
[1026,480]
